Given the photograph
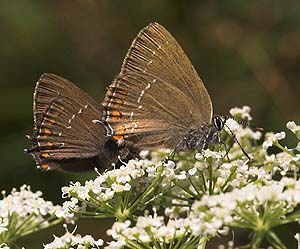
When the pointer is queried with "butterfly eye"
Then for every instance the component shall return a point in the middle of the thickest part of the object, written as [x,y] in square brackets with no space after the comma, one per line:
[218,123]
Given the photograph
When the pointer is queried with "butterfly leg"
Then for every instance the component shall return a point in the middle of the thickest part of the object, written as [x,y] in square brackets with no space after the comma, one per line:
[226,149]
[182,144]
[218,141]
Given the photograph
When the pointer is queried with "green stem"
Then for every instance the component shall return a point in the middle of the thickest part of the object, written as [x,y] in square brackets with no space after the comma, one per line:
[278,145]
[171,196]
[18,232]
[196,189]
[210,176]
[275,241]
[136,245]
[203,180]
[257,239]
[150,189]
[176,182]
[53,223]
[202,242]
[229,178]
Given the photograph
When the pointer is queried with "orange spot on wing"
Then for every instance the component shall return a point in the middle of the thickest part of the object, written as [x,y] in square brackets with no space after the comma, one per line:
[47,131]
[119,132]
[119,102]
[45,167]
[49,144]
[52,121]
[45,154]
[118,137]
[55,114]
[115,115]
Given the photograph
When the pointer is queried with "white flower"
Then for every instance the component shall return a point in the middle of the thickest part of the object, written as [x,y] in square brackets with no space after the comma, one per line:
[214,154]
[244,112]
[192,171]
[116,244]
[200,165]
[291,125]
[149,228]
[270,158]
[144,153]
[233,125]
[215,211]
[241,131]
[24,211]
[67,212]
[286,162]
[182,175]
[118,228]
[271,138]
[4,246]
[76,241]
[199,156]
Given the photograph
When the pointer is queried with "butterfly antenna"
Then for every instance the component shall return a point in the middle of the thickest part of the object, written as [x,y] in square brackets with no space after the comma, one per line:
[244,123]
[235,139]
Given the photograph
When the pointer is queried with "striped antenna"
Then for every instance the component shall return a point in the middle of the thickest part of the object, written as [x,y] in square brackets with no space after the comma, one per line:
[244,123]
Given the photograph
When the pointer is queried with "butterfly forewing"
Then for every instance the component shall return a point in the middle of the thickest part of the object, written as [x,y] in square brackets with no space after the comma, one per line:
[158,95]
[156,52]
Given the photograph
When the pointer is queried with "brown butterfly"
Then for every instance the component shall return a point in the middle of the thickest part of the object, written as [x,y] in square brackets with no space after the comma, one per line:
[65,135]
[158,100]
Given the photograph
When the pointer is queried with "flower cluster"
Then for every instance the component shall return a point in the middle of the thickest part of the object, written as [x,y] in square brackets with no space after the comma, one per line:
[257,201]
[273,138]
[271,205]
[242,133]
[195,197]
[153,232]
[138,183]
[288,160]
[116,193]
[23,212]
[283,196]
[71,241]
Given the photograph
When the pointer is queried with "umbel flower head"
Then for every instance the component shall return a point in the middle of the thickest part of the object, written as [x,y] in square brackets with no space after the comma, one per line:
[198,195]
[23,212]
[139,183]
[182,203]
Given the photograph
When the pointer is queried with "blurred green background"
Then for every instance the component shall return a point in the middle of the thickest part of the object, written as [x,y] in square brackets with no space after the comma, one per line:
[246,52]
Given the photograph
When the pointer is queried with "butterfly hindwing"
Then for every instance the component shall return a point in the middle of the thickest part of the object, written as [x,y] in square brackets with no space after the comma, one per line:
[140,116]
[64,132]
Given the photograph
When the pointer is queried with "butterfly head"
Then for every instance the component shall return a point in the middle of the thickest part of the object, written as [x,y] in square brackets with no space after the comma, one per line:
[218,122]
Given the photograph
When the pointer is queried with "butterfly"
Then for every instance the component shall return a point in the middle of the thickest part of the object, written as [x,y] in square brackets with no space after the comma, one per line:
[158,100]
[64,134]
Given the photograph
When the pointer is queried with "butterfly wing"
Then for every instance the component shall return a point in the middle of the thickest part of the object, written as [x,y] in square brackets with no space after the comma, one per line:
[64,134]
[158,95]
